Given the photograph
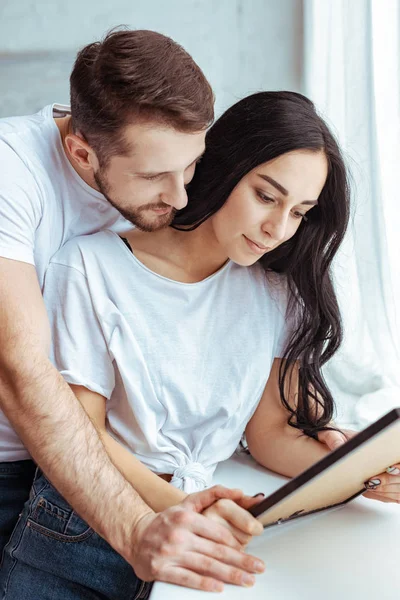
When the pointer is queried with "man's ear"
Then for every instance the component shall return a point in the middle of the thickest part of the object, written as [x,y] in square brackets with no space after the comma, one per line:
[81,152]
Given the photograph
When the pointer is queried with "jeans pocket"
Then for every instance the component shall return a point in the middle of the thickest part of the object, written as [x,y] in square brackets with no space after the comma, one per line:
[51,515]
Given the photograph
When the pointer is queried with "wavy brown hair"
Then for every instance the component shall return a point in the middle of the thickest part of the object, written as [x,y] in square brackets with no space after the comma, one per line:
[136,76]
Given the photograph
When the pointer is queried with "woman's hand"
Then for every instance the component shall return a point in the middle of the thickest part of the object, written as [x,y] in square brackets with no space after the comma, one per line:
[386,486]
[235,516]
[333,439]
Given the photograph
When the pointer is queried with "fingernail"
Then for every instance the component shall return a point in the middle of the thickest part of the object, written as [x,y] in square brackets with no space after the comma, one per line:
[217,587]
[261,494]
[372,484]
[248,580]
[393,470]
[259,566]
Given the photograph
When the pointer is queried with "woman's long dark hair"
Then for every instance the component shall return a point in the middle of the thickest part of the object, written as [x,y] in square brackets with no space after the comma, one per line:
[254,131]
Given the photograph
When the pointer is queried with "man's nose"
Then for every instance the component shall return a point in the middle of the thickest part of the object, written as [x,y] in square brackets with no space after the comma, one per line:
[177,196]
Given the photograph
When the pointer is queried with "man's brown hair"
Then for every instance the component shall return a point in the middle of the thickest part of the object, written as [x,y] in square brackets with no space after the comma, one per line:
[135,76]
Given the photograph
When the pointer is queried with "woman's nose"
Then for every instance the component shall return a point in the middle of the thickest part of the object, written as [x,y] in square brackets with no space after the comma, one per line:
[276,226]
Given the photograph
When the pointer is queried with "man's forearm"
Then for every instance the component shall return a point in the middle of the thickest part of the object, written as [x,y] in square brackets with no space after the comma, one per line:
[63,441]
[287,451]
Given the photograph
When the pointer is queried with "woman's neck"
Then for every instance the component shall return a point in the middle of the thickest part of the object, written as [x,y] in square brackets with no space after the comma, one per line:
[185,256]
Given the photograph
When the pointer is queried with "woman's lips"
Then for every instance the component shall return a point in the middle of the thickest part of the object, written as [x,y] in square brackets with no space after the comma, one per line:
[258,249]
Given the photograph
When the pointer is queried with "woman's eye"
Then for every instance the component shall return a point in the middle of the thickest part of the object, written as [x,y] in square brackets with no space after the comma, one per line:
[151,177]
[265,198]
[301,216]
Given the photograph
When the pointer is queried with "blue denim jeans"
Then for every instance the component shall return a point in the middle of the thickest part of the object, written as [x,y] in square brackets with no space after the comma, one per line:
[15,483]
[54,555]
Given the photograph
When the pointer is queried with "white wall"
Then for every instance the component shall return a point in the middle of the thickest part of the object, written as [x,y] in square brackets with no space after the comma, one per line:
[242,45]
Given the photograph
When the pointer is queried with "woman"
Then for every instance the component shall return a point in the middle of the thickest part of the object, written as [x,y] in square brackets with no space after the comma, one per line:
[177,342]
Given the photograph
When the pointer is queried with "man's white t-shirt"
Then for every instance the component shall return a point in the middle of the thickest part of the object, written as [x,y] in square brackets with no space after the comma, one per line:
[182,365]
[43,204]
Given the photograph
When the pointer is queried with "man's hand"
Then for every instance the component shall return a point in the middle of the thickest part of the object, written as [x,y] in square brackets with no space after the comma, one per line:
[183,546]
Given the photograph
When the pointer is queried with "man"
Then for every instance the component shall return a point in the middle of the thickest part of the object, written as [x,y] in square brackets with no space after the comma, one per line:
[139,110]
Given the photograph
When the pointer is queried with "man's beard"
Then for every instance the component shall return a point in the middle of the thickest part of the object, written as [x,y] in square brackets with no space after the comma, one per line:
[137,216]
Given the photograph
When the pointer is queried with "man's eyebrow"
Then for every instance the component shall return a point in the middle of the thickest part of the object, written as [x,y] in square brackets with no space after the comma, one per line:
[283,190]
[154,174]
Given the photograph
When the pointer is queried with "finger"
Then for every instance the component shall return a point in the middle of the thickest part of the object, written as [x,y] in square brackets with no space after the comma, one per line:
[248,502]
[201,500]
[383,480]
[377,496]
[389,497]
[241,537]
[390,488]
[390,492]
[239,517]
[332,439]
[229,556]
[214,531]
[209,567]
[394,470]
[189,579]
[349,433]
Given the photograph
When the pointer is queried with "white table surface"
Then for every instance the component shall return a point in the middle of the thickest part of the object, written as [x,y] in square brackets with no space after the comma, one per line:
[349,554]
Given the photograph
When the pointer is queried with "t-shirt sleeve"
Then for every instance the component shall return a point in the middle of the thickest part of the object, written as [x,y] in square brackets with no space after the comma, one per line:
[20,207]
[79,347]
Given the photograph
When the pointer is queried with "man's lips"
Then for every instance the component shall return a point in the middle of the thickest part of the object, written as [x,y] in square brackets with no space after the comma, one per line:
[161,210]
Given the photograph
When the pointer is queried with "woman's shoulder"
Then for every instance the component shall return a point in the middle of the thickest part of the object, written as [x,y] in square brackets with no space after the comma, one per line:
[276,287]
[276,283]
[77,251]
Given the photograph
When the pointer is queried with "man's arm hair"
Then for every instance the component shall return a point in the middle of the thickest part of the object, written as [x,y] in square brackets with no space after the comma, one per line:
[50,421]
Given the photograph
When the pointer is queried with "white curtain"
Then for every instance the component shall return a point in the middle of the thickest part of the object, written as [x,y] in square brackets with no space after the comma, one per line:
[352,73]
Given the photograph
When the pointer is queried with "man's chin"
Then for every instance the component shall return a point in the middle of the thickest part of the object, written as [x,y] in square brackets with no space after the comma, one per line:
[155,224]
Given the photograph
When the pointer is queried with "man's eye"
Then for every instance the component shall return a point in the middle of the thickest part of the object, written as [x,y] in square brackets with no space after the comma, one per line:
[150,177]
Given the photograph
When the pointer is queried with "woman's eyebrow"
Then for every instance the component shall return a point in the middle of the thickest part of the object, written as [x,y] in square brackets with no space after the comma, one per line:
[283,190]
[276,185]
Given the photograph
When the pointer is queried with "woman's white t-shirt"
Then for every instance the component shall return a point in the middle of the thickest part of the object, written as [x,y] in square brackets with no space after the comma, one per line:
[182,365]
